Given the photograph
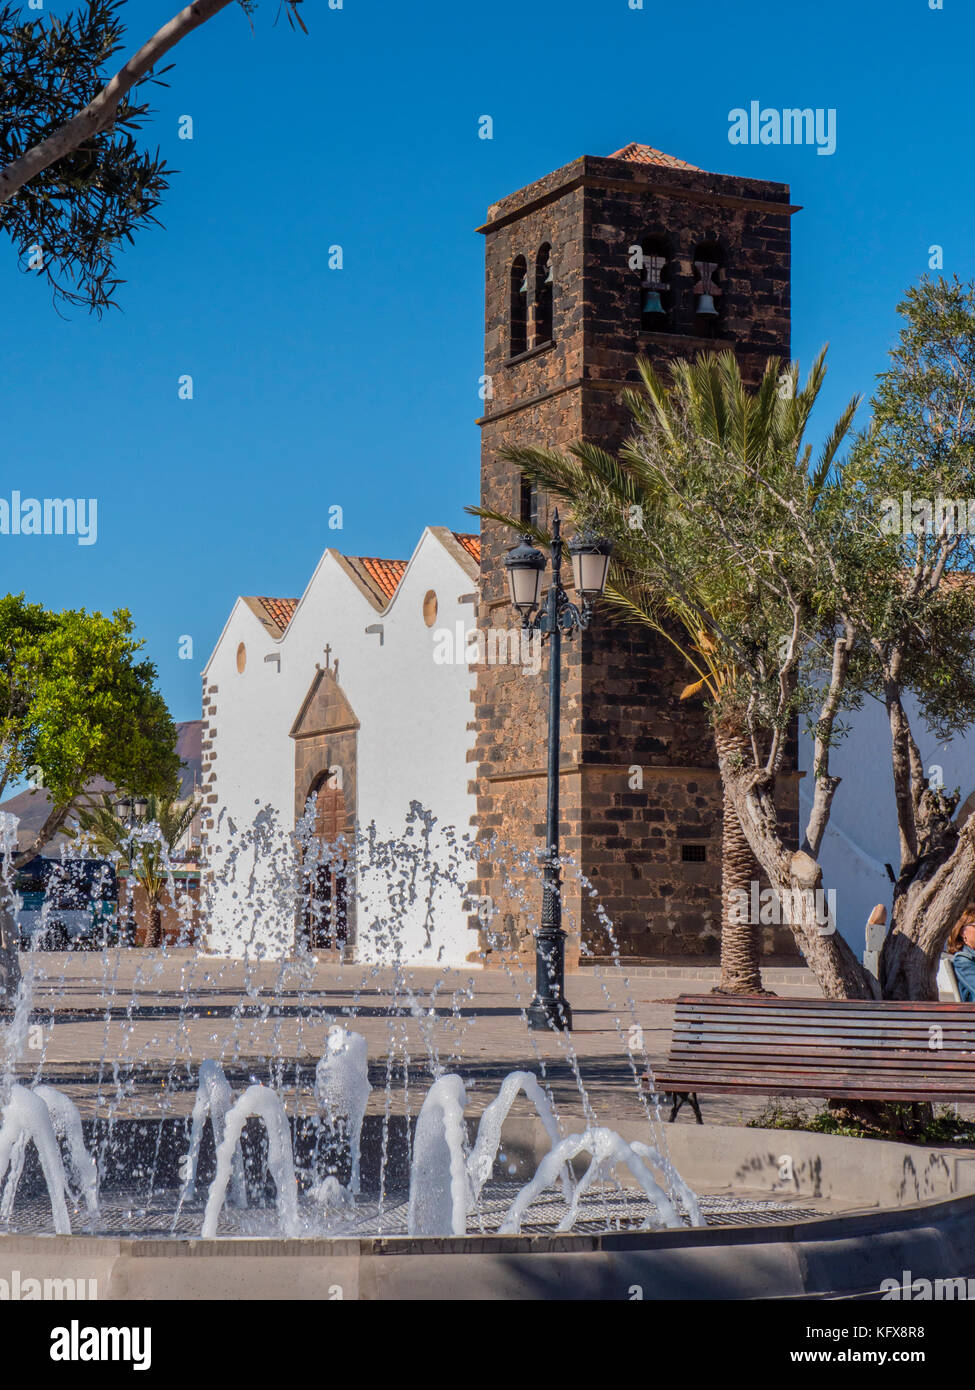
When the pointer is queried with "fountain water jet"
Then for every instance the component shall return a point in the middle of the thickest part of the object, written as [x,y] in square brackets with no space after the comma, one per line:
[26,1117]
[258,1101]
[439,1193]
[214,1100]
[607,1149]
[66,1121]
[447,1175]
[342,1090]
[687,1195]
[480,1165]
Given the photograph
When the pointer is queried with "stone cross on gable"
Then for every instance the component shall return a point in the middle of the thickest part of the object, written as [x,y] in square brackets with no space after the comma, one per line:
[328,654]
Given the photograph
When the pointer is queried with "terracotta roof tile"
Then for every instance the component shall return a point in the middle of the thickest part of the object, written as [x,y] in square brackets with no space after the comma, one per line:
[472,544]
[279,610]
[646,154]
[385,574]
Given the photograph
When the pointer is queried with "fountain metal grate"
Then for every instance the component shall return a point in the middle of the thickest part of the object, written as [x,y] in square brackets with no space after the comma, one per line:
[125,1214]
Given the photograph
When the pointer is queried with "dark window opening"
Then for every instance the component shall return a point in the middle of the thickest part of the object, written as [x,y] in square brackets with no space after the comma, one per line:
[544,295]
[707,288]
[519,307]
[529,502]
[656,297]
[693,854]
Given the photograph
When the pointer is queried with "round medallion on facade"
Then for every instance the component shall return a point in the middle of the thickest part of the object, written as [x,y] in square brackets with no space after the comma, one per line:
[430,608]
[241,658]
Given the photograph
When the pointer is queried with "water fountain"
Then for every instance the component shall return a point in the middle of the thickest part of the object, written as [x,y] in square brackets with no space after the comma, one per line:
[267,1119]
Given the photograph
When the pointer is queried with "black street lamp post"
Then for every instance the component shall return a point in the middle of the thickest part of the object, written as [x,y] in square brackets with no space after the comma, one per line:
[525,565]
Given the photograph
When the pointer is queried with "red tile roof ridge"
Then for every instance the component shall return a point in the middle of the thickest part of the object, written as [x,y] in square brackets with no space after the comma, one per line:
[279,610]
[470,542]
[385,574]
[647,154]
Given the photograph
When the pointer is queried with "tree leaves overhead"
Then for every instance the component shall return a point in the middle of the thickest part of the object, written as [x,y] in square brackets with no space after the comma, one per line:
[69,223]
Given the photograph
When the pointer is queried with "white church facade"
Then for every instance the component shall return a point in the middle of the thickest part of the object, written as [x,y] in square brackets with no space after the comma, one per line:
[336,713]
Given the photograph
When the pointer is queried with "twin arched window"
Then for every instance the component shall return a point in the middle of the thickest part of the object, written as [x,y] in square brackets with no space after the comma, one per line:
[667,303]
[540,320]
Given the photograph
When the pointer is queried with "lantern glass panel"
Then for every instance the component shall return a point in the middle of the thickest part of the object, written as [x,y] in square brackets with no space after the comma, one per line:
[589,570]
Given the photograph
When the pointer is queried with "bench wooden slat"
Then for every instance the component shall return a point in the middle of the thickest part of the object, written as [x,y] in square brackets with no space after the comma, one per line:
[846,1048]
[706,1085]
[824,1084]
[763,1001]
[917,1023]
[905,1061]
[903,1076]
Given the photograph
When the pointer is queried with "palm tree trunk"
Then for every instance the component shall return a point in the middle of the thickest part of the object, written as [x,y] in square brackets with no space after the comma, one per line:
[155,926]
[741,970]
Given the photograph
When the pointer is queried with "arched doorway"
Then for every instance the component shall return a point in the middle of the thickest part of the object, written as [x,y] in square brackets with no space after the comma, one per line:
[324,918]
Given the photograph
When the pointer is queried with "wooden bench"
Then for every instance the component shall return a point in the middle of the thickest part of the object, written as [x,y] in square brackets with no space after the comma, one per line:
[855,1049]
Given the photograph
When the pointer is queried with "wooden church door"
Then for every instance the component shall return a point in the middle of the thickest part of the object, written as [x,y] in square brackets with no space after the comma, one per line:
[325,918]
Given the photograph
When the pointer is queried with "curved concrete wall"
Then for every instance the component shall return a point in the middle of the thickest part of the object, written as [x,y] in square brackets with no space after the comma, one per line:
[845,1255]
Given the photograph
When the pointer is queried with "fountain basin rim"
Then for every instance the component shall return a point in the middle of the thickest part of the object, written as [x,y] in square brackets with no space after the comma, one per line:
[831,1225]
[849,1255]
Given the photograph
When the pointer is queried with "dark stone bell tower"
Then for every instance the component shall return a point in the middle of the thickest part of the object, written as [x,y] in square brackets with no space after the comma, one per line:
[568,309]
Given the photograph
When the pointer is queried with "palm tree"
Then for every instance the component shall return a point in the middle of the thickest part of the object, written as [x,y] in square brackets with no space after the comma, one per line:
[706,414]
[152,841]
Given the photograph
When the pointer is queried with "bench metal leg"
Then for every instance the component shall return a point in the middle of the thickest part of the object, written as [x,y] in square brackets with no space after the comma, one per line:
[679,1098]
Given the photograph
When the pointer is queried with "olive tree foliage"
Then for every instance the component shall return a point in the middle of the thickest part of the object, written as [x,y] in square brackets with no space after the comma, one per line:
[844,603]
[913,480]
[76,180]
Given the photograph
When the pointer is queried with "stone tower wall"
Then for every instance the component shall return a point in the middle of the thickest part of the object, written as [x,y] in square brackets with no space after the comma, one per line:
[623,723]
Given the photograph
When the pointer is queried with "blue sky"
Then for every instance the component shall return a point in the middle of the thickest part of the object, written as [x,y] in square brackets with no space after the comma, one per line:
[358,387]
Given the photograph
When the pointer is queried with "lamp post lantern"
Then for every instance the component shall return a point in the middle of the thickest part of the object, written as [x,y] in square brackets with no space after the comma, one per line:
[525,565]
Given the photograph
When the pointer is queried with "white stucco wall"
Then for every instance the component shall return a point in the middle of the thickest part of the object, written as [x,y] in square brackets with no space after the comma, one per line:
[862,834]
[411,746]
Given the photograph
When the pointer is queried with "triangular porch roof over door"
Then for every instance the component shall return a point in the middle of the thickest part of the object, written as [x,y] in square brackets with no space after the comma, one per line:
[325,708]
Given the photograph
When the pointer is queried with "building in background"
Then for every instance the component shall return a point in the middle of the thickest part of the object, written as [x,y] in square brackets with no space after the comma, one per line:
[353,700]
[587,268]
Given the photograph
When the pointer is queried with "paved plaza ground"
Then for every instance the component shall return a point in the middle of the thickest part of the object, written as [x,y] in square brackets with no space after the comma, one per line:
[138,1022]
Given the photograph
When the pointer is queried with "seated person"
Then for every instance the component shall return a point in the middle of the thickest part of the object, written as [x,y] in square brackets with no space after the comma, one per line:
[961,948]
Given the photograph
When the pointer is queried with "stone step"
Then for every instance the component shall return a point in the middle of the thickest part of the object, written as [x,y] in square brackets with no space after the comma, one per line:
[771,975]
